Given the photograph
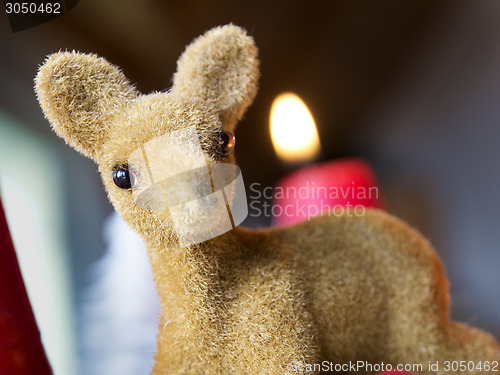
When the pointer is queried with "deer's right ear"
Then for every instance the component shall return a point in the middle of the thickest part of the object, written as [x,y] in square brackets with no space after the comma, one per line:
[220,68]
[79,94]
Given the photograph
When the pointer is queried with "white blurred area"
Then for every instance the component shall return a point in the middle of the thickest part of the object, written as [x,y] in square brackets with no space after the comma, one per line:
[120,309]
[31,195]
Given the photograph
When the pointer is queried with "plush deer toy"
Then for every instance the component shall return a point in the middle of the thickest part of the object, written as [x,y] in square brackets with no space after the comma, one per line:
[331,291]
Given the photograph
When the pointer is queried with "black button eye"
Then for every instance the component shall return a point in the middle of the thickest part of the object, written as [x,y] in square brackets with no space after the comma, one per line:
[123,177]
[226,142]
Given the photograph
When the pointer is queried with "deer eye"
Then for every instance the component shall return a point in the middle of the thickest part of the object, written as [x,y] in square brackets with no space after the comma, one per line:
[226,142]
[123,177]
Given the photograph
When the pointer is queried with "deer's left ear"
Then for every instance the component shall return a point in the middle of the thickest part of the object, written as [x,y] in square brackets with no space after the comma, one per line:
[221,69]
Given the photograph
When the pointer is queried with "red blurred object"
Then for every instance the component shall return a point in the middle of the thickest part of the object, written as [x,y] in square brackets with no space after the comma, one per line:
[345,185]
[21,349]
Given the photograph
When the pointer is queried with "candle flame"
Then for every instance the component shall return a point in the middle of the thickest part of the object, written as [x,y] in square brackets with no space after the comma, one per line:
[293,130]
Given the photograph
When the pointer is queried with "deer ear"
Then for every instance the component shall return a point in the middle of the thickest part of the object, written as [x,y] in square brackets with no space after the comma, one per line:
[79,94]
[221,69]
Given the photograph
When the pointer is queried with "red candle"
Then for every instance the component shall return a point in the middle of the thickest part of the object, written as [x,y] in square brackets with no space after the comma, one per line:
[21,349]
[346,186]
[340,187]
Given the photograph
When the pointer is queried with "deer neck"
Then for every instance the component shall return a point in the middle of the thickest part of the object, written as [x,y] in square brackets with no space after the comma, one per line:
[191,286]
[188,276]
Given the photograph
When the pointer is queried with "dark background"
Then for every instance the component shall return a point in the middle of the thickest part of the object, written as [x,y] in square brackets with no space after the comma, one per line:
[412,86]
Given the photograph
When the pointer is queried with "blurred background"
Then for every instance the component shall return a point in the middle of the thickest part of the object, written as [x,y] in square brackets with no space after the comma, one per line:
[411,86]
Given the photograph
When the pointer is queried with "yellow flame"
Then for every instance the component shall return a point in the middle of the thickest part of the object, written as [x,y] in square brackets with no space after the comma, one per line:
[293,131]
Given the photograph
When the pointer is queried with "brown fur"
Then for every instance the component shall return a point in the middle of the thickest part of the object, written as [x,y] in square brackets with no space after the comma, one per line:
[340,289]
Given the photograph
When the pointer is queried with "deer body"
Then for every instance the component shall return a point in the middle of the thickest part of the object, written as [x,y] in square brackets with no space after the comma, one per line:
[255,301]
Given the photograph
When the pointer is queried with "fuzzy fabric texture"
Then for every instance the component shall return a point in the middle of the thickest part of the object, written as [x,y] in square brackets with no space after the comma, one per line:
[338,289]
